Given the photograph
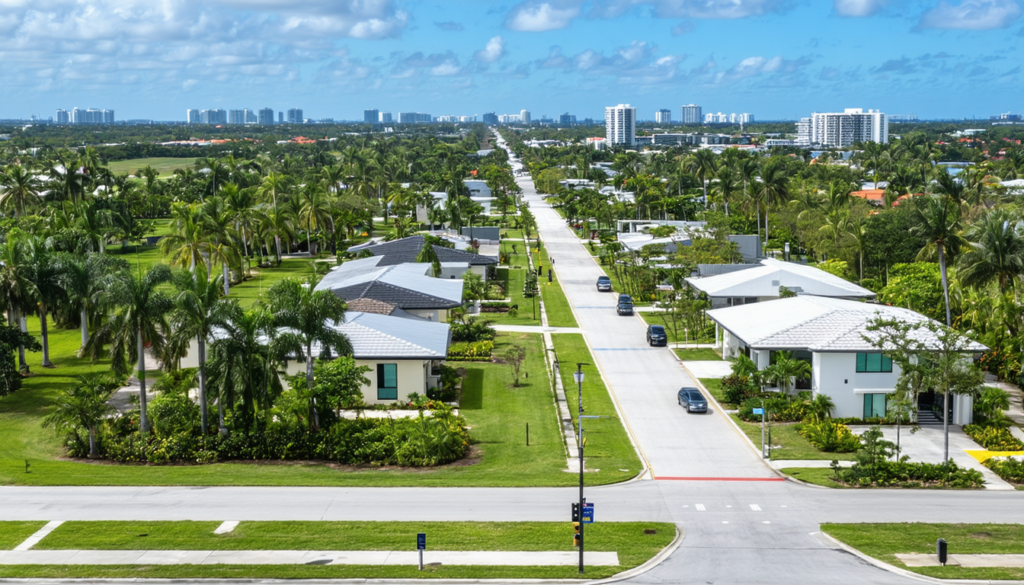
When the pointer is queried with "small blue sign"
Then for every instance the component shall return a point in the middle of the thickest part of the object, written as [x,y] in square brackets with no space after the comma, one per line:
[759,411]
[421,541]
[588,514]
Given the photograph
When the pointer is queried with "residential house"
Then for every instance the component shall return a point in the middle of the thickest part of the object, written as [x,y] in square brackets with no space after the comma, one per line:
[407,250]
[829,333]
[761,282]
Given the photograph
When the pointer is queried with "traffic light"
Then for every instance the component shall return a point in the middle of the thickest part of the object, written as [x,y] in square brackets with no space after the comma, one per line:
[575,512]
[577,538]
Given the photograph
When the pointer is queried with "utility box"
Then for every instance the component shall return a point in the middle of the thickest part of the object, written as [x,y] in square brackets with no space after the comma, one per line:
[940,550]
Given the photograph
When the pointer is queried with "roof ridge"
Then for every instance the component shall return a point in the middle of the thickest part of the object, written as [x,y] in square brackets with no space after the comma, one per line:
[389,336]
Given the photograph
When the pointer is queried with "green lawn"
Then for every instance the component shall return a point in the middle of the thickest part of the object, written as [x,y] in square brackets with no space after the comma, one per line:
[514,234]
[555,304]
[698,354]
[789,443]
[816,475]
[516,277]
[659,318]
[163,165]
[497,413]
[629,539]
[13,533]
[884,541]
[249,291]
[714,387]
[608,448]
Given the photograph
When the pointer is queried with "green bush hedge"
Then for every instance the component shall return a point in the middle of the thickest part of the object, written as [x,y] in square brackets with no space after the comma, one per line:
[471,351]
[910,475]
[778,408]
[993,438]
[1012,470]
[829,436]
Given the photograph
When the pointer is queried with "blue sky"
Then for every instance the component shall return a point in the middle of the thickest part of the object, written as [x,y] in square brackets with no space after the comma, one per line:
[773,58]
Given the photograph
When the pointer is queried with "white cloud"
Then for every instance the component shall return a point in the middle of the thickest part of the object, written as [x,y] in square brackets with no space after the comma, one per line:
[494,50]
[972,15]
[538,17]
[858,8]
[757,66]
[682,28]
[725,9]
[447,68]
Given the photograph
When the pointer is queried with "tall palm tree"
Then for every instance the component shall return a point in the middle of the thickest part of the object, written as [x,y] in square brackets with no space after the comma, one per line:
[937,220]
[16,284]
[309,314]
[315,214]
[274,186]
[772,188]
[199,308]
[47,277]
[995,252]
[241,205]
[704,165]
[858,230]
[19,190]
[82,406]
[219,230]
[187,244]
[139,316]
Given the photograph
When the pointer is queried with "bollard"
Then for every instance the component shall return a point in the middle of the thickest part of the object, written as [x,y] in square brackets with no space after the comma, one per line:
[940,550]
[527,434]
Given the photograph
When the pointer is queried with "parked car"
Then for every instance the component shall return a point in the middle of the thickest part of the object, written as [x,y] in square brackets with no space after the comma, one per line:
[604,284]
[692,400]
[625,307]
[656,335]
[625,298]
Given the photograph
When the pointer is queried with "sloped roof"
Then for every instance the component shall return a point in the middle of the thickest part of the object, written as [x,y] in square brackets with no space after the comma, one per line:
[381,336]
[813,323]
[406,250]
[406,286]
[765,280]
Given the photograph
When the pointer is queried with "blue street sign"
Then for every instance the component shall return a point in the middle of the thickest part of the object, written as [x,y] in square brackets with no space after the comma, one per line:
[758,411]
[588,514]
[421,541]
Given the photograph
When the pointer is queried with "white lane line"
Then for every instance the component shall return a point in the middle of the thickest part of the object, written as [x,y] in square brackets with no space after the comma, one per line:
[755,507]
[39,535]
[226,527]
[767,522]
[700,507]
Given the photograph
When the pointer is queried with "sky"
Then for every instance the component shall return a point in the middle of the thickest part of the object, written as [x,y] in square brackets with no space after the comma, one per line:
[775,59]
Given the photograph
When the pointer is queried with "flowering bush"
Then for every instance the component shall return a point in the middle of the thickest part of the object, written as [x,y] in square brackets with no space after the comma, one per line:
[993,438]
[470,351]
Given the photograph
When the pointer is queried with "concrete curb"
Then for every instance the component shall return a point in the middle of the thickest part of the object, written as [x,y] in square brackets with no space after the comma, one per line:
[628,574]
[910,574]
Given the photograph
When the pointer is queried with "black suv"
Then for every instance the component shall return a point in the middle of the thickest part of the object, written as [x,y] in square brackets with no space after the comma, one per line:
[625,306]
[656,335]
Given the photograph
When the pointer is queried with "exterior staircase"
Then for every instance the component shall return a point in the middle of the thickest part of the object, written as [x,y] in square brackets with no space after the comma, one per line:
[927,418]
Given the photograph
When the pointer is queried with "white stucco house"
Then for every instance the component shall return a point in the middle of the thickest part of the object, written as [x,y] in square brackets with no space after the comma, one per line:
[827,332]
[404,354]
[761,282]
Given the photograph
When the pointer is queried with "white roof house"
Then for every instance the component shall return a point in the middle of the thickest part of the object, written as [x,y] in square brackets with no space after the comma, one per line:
[829,332]
[377,337]
[762,282]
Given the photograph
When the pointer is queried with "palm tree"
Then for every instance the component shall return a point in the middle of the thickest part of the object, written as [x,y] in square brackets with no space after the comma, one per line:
[240,202]
[773,187]
[187,243]
[82,406]
[858,230]
[274,186]
[938,222]
[20,190]
[139,317]
[787,368]
[995,253]
[16,284]
[199,308]
[309,314]
[703,164]
[47,278]
[315,213]
[219,230]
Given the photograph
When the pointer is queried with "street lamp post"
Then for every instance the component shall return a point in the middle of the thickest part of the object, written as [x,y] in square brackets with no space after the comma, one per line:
[578,377]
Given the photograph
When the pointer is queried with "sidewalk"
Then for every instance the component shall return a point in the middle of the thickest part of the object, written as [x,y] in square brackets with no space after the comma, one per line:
[535,329]
[303,557]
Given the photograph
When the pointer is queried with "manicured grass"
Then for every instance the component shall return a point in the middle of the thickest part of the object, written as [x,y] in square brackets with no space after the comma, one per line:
[789,443]
[13,533]
[628,539]
[816,475]
[714,387]
[555,304]
[884,541]
[698,354]
[516,275]
[249,291]
[497,413]
[514,234]
[163,165]
[608,448]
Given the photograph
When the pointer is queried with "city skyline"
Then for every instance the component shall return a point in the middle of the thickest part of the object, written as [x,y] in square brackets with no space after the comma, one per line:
[941,59]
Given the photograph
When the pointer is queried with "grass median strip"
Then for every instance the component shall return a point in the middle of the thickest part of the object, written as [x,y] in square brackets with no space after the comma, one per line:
[787,444]
[14,532]
[555,303]
[634,542]
[608,447]
[885,541]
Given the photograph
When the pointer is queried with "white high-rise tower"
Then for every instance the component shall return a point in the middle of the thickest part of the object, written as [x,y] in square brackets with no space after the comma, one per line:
[620,124]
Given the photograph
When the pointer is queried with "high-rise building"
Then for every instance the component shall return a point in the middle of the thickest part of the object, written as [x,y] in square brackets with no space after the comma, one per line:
[803,132]
[265,117]
[280,118]
[413,118]
[63,117]
[249,116]
[490,118]
[384,117]
[467,118]
[192,116]
[620,125]
[524,116]
[216,116]
[691,114]
[508,118]
[566,119]
[853,125]
[295,116]
[371,116]
[663,117]
[236,116]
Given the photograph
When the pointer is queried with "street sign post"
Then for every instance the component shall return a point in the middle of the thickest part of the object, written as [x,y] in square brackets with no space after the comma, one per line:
[587,517]
[421,544]
[761,412]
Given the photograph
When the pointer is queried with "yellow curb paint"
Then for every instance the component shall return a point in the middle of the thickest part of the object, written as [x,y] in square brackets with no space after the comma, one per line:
[983,456]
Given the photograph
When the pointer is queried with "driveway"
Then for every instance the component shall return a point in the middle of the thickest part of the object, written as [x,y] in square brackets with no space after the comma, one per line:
[643,380]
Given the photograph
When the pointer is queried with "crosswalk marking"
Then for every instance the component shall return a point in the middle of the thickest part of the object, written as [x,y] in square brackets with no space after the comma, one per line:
[700,507]
[755,507]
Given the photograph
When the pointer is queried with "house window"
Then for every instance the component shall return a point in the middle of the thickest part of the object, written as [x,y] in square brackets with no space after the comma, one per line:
[874,405]
[387,381]
[873,362]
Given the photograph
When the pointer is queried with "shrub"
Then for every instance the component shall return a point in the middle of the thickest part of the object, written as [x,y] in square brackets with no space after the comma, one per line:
[1011,470]
[829,436]
[778,408]
[993,438]
[737,388]
[874,469]
[471,351]
[472,330]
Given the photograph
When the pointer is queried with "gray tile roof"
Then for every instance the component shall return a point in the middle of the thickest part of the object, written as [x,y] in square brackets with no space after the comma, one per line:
[817,324]
[406,286]
[406,250]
